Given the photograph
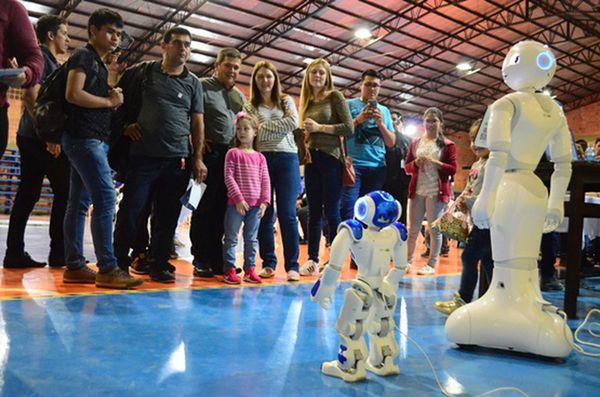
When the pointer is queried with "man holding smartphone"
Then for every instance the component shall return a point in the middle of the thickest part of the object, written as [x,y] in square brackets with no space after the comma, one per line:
[373,132]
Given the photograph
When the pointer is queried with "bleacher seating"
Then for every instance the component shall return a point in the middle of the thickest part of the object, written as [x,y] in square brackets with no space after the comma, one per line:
[10,172]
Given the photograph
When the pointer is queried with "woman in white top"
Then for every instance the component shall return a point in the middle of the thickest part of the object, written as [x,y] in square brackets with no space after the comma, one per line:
[278,118]
[431,159]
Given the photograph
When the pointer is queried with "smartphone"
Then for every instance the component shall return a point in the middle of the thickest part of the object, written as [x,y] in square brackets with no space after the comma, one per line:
[11,72]
[373,103]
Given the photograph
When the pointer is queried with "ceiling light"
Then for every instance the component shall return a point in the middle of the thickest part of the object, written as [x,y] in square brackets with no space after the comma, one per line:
[464,66]
[308,60]
[410,130]
[362,34]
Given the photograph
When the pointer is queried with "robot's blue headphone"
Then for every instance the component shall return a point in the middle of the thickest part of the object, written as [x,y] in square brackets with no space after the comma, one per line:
[378,209]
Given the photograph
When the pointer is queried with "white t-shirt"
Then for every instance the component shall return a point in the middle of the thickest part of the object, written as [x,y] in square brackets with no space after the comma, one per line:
[428,180]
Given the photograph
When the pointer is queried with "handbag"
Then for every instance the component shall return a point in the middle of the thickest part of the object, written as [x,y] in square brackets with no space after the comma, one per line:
[451,225]
[301,139]
[348,173]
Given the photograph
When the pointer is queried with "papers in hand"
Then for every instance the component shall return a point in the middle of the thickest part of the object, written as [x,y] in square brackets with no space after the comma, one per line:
[192,196]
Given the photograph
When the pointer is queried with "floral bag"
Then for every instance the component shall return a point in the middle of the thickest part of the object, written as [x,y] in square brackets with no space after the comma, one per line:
[453,224]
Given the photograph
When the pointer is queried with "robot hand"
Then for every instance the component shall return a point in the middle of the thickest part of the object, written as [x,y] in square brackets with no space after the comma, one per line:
[322,291]
[554,217]
[394,276]
[482,211]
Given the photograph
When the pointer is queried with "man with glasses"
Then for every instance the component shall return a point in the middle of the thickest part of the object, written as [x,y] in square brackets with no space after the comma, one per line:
[373,132]
[160,159]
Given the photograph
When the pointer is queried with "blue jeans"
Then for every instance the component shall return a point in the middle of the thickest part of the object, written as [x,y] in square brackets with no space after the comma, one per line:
[368,179]
[284,170]
[160,181]
[323,181]
[91,183]
[478,248]
[233,222]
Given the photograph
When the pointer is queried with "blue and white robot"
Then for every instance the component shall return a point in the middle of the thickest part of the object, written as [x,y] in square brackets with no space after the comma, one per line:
[373,237]
[514,204]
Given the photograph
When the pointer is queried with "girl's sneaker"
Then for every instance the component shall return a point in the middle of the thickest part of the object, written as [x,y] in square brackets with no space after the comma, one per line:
[250,276]
[231,277]
[447,307]
[267,272]
[426,271]
[310,268]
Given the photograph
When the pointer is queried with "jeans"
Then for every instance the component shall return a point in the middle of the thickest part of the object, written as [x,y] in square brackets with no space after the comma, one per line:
[206,230]
[162,182]
[284,171]
[418,206]
[91,183]
[323,181]
[549,250]
[36,163]
[368,179]
[478,248]
[233,222]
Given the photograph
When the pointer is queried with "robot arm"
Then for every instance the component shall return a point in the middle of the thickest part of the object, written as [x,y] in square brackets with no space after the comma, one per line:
[322,291]
[498,140]
[399,255]
[560,155]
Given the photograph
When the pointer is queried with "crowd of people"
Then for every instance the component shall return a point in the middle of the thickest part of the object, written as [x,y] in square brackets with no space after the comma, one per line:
[175,126]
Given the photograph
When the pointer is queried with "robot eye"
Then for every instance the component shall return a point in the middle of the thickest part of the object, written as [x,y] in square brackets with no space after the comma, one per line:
[545,60]
[515,59]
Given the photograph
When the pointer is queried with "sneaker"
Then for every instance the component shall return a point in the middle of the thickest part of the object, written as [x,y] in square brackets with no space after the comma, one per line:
[250,276]
[21,262]
[426,271]
[310,268]
[447,307]
[293,275]
[267,272]
[204,272]
[117,278]
[425,254]
[231,277]
[83,275]
[551,285]
[140,265]
[163,276]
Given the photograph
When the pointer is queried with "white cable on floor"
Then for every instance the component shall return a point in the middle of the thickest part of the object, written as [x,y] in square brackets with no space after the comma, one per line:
[443,389]
[576,347]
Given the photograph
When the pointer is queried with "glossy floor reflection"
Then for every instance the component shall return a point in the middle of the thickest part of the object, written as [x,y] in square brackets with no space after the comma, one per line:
[253,341]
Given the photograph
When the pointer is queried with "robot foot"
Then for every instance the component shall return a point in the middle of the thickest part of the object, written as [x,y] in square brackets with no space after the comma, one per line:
[332,368]
[386,368]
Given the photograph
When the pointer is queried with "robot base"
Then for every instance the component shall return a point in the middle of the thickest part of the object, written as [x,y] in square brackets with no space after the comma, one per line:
[513,316]
[332,368]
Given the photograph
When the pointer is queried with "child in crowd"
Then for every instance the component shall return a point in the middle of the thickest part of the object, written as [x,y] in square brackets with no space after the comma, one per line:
[479,244]
[248,195]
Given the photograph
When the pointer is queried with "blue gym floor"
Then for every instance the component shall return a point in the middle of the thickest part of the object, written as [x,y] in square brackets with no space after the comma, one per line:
[252,341]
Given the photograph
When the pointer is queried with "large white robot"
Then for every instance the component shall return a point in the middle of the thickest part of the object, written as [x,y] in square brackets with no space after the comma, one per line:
[514,203]
[373,237]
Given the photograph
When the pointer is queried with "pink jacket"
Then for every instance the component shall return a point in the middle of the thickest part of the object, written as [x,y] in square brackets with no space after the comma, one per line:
[447,157]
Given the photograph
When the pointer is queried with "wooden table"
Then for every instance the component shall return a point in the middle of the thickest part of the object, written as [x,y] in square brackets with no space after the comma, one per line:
[585,178]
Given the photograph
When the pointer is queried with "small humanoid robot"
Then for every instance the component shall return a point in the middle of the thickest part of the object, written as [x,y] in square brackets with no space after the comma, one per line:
[373,237]
[514,203]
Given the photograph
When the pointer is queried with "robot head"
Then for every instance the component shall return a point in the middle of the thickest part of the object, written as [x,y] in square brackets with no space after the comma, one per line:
[529,65]
[377,209]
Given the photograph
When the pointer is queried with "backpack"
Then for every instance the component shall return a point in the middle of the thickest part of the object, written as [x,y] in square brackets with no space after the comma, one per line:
[50,108]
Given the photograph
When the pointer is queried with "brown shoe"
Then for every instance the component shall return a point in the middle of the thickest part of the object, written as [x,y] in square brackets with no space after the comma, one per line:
[117,278]
[83,275]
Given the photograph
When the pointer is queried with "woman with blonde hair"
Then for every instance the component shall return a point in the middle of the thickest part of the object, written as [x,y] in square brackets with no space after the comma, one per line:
[431,159]
[325,117]
[278,119]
